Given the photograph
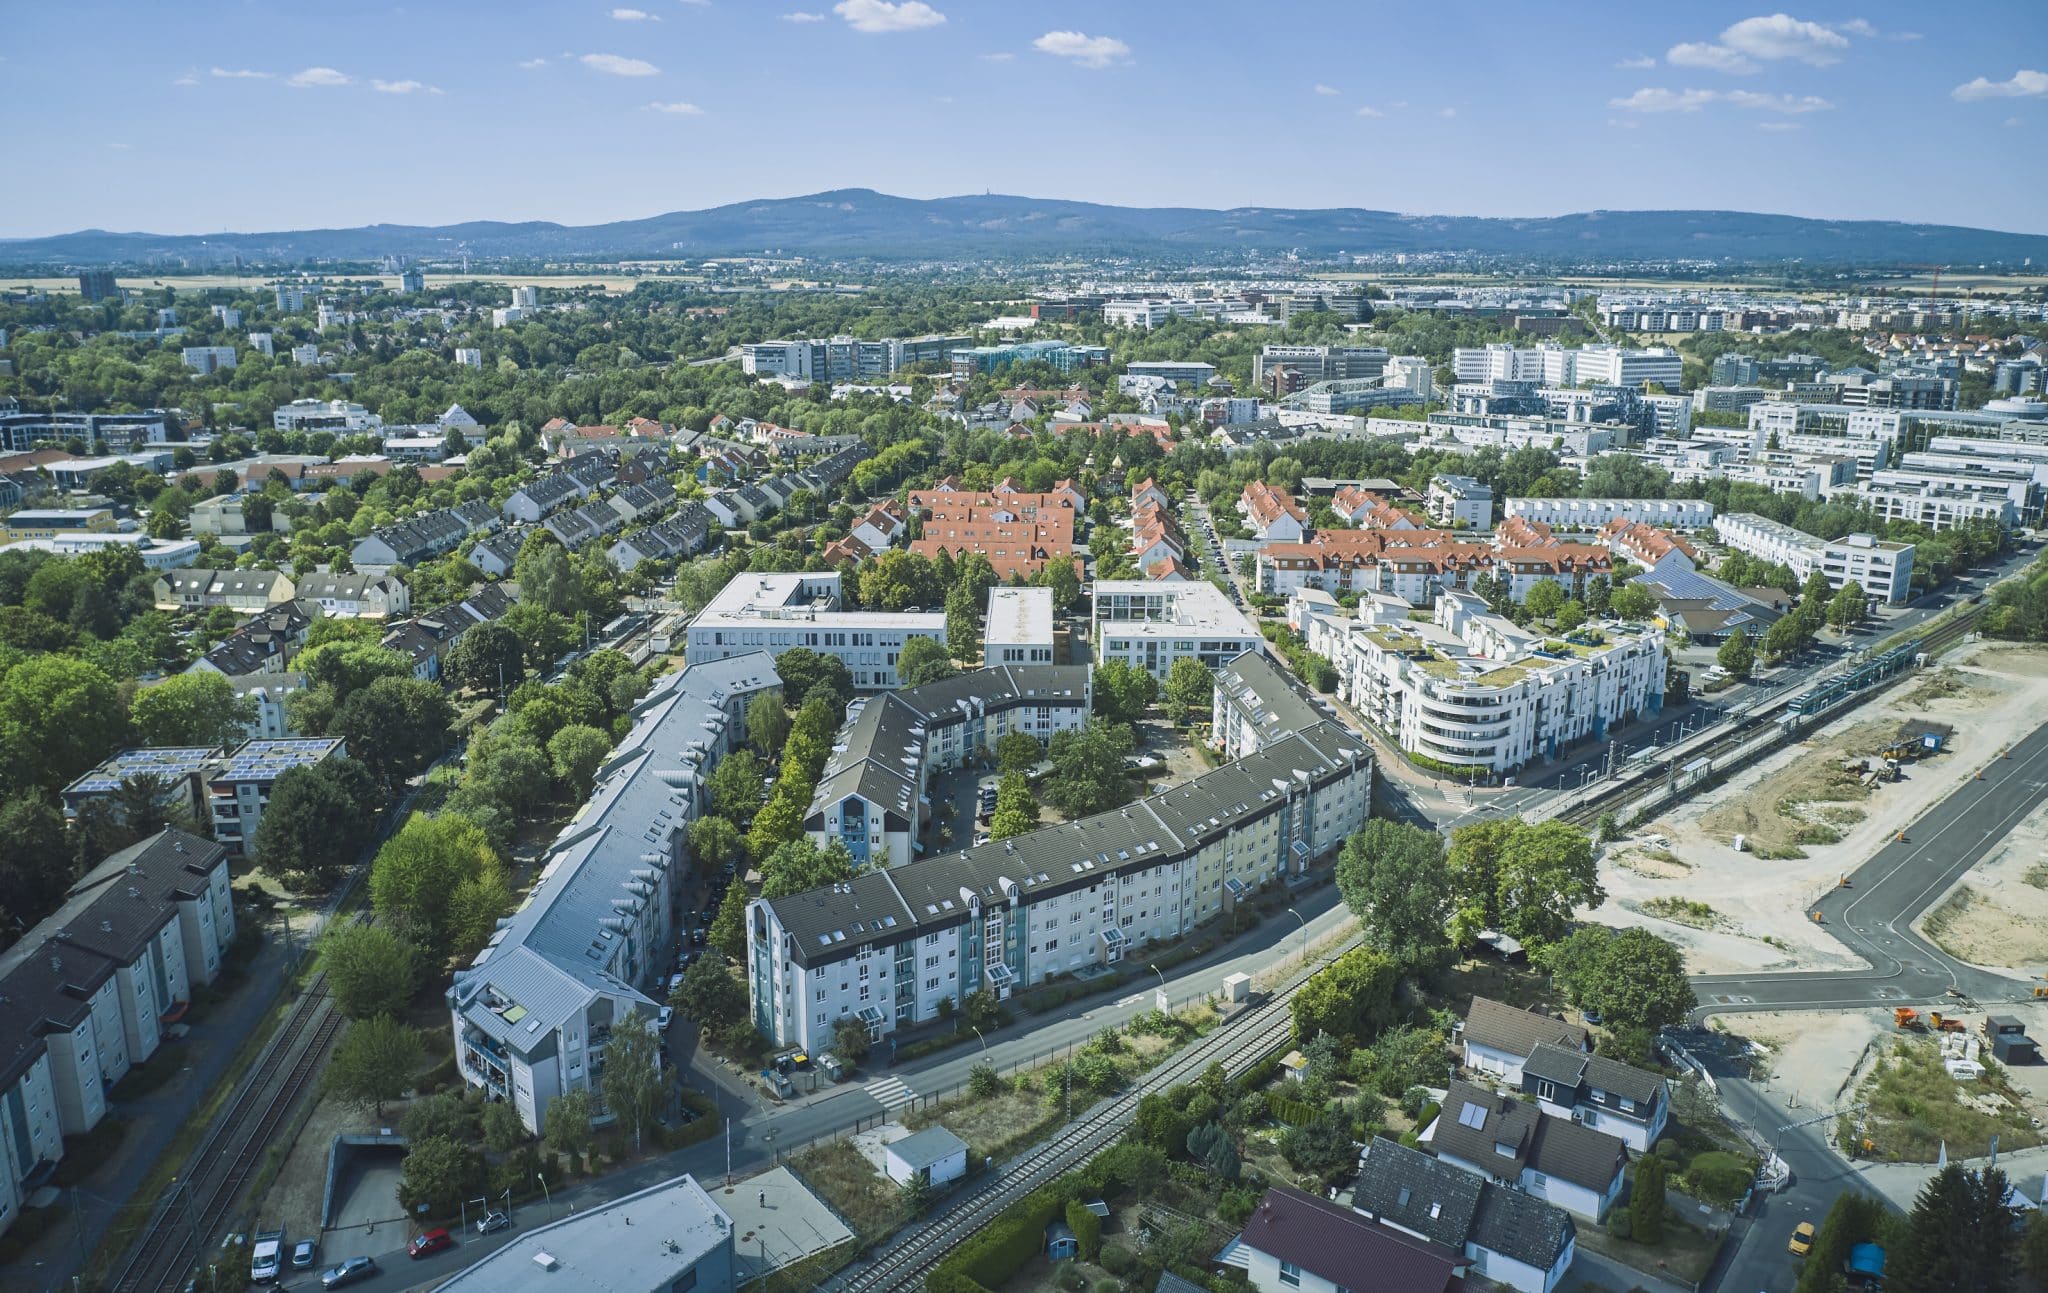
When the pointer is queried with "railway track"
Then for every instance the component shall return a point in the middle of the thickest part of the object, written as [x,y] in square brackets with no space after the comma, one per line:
[1748,731]
[1236,1046]
[178,1231]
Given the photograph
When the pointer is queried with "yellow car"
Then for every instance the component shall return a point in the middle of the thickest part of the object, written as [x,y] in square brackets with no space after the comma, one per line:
[1802,1239]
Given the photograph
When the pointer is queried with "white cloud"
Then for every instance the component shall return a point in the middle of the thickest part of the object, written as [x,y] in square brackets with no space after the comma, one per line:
[2012,122]
[1328,89]
[801,16]
[2024,84]
[1858,27]
[531,63]
[1088,51]
[677,109]
[1659,100]
[1715,58]
[121,148]
[1782,36]
[1370,112]
[1779,125]
[187,79]
[404,87]
[1447,113]
[878,16]
[1789,104]
[635,15]
[318,78]
[1904,35]
[1398,103]
[240,74]
[1638,63]
[1002,56]
[619,65]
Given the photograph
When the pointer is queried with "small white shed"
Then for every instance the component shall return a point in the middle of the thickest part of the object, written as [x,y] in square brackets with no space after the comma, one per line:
[933,1156]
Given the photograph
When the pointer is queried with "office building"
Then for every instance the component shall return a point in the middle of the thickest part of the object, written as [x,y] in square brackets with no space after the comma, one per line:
[238,789]
[1152,623]
[412,282]
[1173,372]
[1884,569]
[97,285]
[59,522]
[848,359]
[593,942]
[1062,356]
[774,612]
[339,416]
[100,432]
[1020,627]
[871,795]
[1553,365]
[903,945]
[1471,690]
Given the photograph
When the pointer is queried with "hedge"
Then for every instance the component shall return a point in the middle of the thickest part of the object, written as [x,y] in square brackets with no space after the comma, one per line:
[1087,1228]
[1007,1243]
[1295,1113]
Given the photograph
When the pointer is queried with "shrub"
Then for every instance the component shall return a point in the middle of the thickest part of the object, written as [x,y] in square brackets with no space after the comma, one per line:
[1619,1225]
[1718,1177]
[1087,1228]
[983,1082]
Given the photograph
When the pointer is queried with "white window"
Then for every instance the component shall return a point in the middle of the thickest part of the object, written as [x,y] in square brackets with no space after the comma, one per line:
[932,984]
[1546,1091]
[1290,1275]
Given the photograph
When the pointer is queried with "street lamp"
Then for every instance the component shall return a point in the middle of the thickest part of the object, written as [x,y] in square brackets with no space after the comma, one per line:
[546,1193]
[1304,930]
[984,1041]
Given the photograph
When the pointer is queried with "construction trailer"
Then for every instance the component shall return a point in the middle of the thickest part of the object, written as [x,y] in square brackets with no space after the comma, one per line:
[2009,1041]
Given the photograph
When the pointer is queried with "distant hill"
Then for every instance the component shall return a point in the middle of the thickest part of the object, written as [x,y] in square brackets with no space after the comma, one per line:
[853,223]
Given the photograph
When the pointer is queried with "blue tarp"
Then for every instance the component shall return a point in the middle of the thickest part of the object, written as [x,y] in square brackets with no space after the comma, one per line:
[1866,1259]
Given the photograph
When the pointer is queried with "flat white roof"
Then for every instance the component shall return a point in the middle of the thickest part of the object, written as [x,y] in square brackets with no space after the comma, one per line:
[1186,607]
[646,1240]
[753,598]
[1019,616]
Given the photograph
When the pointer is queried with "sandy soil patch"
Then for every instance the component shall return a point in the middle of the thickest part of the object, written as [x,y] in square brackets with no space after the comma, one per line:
[1807,1056]
[1755,908]
[1998,916]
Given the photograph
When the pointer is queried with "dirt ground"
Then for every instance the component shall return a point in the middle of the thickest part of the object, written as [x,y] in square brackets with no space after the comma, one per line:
[1807,1056]
[294,1200]
[1739,912]
[1998,916]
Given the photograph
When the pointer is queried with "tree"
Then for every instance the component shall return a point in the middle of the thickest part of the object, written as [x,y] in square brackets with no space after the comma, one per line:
[1211,1147]
[543,635]
[1123,691]
[735,785]
[767,724]
[198,709]
[1088,774]
[714,841]
[1736,655]
[1087,1228]
[781,819]
[799,866]
[35,866]
[1631,977]
[374,1061]
[1633,602]
[1568,617]
[1544,599]
[1190,690]
[635,1087]
[1960,1235]
[1017,751]
[897,579]
[1546,873]
[1855,1218]
[923,660]
[488,657]
[963,623]
[802,669]
[2034,1246]
[1474,863]
[1352,998]
[438,1175]
[729,927]
[319,818]
[566,1128]
[1646,1201]
[709,995]
[58,717]
[850,1040]
[1786,637]
[444,1113]
[474,910]
[548,579]
[370,970]
[396,725]
[503,1132]
[576,752]
[1847,606]
[1016,811]
[1599,595]
[415,875]
[1394,877]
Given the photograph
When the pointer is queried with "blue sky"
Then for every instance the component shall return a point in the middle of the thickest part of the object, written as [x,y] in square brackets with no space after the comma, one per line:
[203,116]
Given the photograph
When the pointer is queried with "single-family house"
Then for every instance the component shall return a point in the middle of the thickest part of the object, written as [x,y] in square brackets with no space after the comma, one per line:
[1511,1238]
[1497,1038]
[1295,1242]
[1501,1138]
[1620,1099]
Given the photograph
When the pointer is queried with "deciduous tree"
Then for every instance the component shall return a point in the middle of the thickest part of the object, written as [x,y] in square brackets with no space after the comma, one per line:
[416,874]
[1631,977]
[635,1086]
[1123,691]
[374,1061]
[767,724]
[200,708]
[1394,877]
[1190,690]
[317,821]
[370,970]
[576,752]
[923,660]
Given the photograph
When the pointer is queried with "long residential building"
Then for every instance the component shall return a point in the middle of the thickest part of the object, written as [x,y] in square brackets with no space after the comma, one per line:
[902,945]
[1472,690]
[1554,365]
[1881,567]
[1572,514]
[871,794]
[774,612]
[846,359]
[533,1013]
[1152,623]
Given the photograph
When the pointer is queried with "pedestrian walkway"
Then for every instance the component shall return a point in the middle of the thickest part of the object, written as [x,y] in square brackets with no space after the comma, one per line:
[890,1092]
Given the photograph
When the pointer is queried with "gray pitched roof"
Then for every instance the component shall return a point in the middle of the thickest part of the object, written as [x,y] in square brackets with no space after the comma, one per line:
[1255,682]
[1408,1188]
[1503,1028]
[1345,1248]
[1598,1071]
[1521,1226]
[1476,1123]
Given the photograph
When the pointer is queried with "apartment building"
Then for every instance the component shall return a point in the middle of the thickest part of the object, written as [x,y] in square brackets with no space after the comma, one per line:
[1586,514]
[177,774]
[343,417]
[1472,690]
[893,944]
[207,360]
[1459,502]
[1881,567]
[533,1013]
[246,592]
[1151,624]
[1936,506]
[871,795]
[774,612]
[1553,365]
[238,789]
[1255,703]
[847,359]
[101,432]
[1272,514]
[1020,627]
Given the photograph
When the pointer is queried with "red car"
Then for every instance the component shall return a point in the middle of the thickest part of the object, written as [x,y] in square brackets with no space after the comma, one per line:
[431,1242]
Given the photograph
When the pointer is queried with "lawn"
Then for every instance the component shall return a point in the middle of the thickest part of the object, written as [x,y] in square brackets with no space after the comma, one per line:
[870,1202]
[1915,1107]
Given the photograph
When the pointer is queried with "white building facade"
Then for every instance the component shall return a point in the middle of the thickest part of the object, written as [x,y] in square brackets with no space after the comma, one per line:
[774,612]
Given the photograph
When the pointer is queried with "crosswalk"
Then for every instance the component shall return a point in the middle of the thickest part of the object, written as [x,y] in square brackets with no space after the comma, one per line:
[890,1092]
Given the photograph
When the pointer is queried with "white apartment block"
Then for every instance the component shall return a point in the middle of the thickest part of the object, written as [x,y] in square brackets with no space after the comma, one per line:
[1783,418]
[1151,624]
[1575,514]
[1472,690]
[897,946]
[1148,313]
[325,415]
[1460,501]
[774,612]
[1936,507]
[1882,568]
[469,357]
[871,795]
[533,1013]
[1554,365]
[1020,627]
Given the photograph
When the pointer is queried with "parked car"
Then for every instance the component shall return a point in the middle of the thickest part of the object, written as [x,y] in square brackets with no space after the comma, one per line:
[433,1241]
[304,1254]
[664,1019]
[492,1222]
[349,1272]
[266,1257]
[676,980]
[1802,1239]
